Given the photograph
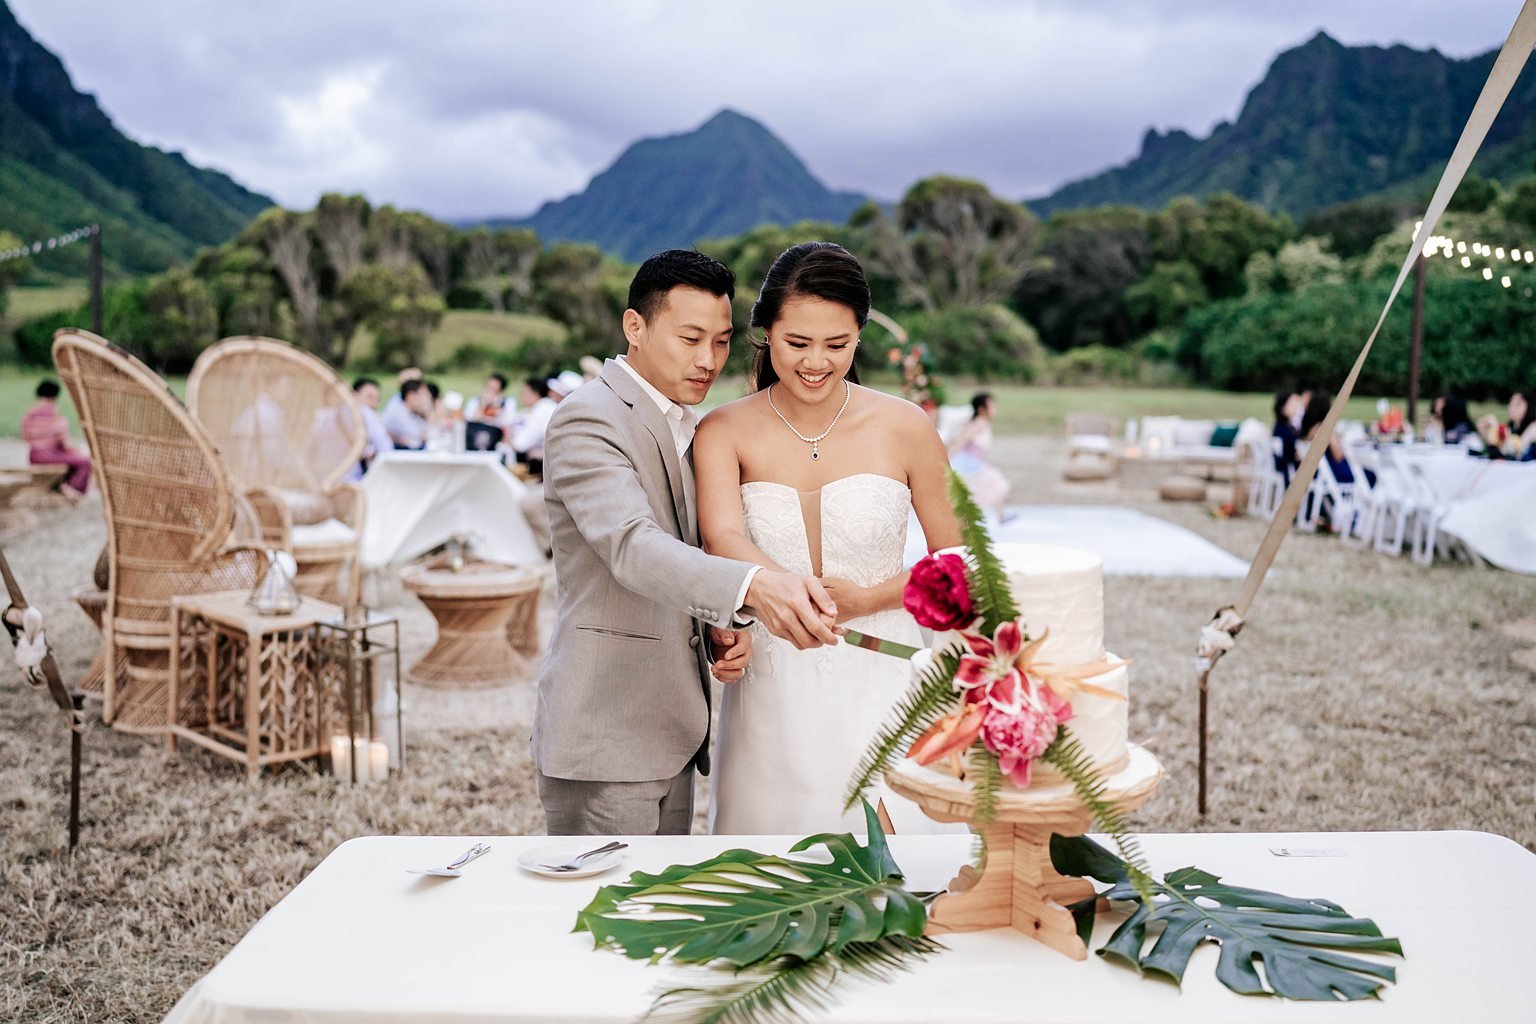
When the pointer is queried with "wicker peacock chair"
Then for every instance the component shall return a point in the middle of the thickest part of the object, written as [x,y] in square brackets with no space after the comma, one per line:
[288,429]
[171,514]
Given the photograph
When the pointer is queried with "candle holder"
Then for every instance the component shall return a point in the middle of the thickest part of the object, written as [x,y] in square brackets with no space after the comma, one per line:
[363,649]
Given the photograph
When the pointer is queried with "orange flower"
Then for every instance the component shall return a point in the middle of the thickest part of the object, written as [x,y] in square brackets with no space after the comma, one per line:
[1066,682]
[949,735]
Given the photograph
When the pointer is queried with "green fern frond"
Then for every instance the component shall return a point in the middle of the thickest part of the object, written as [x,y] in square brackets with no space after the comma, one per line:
[931,696]
[788,989]
[986,779]
[984,573]
[1066,755]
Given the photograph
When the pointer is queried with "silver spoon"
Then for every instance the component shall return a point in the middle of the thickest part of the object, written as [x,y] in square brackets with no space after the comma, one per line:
[452,868]
[575,862]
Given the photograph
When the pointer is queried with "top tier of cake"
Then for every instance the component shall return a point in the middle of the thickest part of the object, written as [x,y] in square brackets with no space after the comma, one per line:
[1061,589]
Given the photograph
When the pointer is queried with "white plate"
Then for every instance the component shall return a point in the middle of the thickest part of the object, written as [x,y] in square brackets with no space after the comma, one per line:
[558,853]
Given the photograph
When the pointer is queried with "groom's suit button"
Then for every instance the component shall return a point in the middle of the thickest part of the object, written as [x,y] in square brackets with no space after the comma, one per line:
[693,641]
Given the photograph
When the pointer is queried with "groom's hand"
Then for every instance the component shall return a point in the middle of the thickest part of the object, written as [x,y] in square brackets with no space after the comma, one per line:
[793,607]
[731,649]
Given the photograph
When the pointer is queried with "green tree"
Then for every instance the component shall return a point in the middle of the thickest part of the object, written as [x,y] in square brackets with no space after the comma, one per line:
[953,244]
[186,321]
[399,304]
[1352,228]
[1089,259]
[11,270]
[578,286]
[1216,238]
[990,342]
[1166,295]
[498,265]
[1474,195]
[1297,265]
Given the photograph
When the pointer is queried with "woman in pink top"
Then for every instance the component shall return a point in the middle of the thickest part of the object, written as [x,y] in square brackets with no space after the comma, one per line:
[46,433]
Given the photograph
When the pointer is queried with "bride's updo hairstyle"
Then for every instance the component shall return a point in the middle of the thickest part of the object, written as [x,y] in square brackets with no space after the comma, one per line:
[810,270]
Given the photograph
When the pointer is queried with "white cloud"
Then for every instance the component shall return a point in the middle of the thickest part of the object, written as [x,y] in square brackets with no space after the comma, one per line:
[476,107]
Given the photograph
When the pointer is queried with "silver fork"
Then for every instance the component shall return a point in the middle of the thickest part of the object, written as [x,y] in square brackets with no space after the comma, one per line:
[576,861]
[452,868]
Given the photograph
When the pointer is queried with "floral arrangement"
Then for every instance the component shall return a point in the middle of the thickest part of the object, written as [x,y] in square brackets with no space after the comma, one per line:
[917,383]
[986,705]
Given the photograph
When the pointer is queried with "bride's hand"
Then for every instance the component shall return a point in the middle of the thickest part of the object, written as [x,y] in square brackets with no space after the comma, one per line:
[853,601]
[731,649]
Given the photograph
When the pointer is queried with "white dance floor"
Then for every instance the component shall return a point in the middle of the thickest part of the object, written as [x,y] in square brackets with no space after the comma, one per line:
[1131,543]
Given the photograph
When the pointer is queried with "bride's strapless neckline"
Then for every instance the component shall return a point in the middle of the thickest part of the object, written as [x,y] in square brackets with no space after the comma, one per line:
[829,484]
[858,522]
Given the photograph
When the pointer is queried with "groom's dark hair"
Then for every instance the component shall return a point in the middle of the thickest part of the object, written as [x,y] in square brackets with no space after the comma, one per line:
[673,268]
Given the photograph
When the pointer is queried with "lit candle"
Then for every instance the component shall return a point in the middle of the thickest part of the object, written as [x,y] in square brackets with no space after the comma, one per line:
[340,748]
[360,758]
[378,761]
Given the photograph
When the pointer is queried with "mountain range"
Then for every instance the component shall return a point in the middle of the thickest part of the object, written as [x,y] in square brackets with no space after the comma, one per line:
[724,177]
[64,164]
[1327,124]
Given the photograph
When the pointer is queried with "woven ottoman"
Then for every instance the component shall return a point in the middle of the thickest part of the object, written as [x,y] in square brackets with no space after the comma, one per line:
[1181,488]
[473,608]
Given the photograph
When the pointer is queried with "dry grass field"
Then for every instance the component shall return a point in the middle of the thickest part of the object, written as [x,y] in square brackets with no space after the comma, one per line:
[1366,693]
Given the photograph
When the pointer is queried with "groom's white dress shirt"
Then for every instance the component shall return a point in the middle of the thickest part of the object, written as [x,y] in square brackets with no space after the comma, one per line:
[683,423]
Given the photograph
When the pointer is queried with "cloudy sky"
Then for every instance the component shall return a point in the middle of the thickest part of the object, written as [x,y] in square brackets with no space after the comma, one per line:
[466,108]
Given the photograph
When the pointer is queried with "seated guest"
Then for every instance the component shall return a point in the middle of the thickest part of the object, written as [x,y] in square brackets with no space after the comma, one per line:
[528,431]
[46,432]
[491,405]
[395,401]
[1522,426]
[407,422]
[377,438]
[1311,419]
[1288,411]
[1454,420]
[563,384]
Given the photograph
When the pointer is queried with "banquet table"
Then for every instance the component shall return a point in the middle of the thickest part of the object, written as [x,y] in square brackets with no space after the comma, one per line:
[360,940]
[418,500]
[1488,503]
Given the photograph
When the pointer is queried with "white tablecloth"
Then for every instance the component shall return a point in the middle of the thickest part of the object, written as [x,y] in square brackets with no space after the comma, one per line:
[418,500]
[361,941]
[1489,503]
[1455,475]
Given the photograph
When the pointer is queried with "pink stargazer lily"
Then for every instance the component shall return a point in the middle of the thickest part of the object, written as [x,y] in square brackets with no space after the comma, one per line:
[988,663]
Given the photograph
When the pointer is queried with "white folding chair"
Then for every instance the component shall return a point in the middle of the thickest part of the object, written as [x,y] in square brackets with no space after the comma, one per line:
[1396,504]
[1432,507]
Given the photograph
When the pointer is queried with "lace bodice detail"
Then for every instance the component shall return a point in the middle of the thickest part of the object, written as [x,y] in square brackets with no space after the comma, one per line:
[863,526]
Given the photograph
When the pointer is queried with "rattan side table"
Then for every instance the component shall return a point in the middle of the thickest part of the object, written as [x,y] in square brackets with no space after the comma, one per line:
[250,687]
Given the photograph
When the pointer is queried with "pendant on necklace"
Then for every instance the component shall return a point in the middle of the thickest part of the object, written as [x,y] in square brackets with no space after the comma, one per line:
[815,454]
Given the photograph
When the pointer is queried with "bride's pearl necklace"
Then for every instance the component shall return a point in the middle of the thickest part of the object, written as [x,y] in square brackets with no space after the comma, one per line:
[814,442]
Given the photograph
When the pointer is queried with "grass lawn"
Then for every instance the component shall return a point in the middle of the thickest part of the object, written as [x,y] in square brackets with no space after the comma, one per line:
[26,303]
[502,332]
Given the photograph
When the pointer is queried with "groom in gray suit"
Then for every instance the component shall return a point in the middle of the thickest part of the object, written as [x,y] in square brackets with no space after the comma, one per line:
[644,615]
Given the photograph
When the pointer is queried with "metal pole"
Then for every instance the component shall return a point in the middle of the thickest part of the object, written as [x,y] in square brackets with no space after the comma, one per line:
[1417,336]
[96,279]
[1205,692]
[78,699]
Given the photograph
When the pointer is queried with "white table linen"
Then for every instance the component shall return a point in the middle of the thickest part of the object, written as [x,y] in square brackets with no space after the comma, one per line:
[418,500]
[360,940]
[1488,503]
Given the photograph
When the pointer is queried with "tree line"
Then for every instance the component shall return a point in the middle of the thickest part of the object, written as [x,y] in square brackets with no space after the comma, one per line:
[1218,290]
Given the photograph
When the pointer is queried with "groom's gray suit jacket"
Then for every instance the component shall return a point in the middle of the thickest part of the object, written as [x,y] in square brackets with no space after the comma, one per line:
[624,688]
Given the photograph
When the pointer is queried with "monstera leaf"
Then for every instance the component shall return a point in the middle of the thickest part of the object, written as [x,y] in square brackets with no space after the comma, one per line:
[743,907]
[1297,940]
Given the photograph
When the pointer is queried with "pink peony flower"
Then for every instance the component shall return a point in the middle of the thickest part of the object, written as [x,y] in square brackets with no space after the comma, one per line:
[937,593]
[1019,737]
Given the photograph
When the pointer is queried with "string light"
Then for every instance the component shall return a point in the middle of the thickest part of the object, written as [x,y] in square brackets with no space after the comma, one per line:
[1504,281]
[33,248]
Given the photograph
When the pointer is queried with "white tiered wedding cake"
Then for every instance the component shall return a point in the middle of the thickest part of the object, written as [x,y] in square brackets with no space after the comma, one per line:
[1061,590]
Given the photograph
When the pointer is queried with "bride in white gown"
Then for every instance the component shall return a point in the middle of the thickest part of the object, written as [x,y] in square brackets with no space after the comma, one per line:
[814,474]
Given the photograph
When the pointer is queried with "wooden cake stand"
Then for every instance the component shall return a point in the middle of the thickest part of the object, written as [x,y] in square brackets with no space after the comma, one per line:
[1017,886]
